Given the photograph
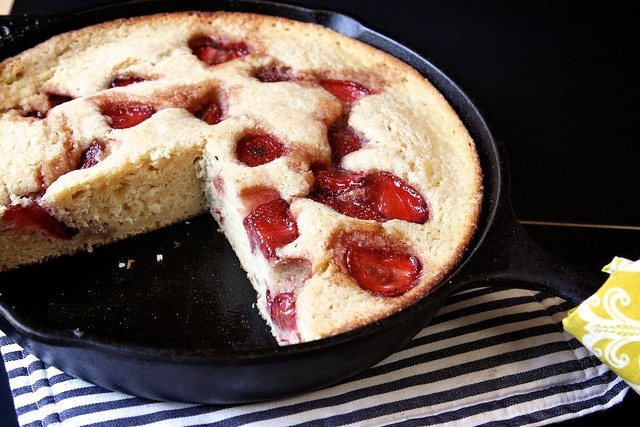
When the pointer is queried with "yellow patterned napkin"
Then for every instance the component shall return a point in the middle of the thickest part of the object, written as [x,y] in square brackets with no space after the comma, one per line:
[608,322]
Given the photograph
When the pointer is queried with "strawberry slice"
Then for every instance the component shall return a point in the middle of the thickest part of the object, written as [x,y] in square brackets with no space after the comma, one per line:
[383,271]
[258,149]
[282,309]
[122,81]
[343,140]
[378,196]
[349,205]
[393,198]
[346,91]
[343,191]
[336,181]
[274,74]
[92,155]
[211,113]
[124,116]
[34,216]
[213,51]
[271,226]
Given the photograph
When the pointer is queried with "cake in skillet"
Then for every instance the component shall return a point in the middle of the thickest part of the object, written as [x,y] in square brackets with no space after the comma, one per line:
[346,184]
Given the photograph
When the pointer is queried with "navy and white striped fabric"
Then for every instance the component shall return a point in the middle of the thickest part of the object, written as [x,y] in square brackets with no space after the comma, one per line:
[489,356]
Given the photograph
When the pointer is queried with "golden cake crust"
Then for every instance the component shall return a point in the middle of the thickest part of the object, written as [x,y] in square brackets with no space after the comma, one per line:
[57,104]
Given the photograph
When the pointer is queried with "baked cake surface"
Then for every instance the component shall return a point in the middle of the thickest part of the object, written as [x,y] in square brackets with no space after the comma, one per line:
[346,184]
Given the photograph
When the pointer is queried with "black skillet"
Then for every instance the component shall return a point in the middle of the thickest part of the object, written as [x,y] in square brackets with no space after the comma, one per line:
[184,329]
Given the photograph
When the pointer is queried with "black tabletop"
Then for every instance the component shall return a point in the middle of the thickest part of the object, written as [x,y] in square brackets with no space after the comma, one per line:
[557,85]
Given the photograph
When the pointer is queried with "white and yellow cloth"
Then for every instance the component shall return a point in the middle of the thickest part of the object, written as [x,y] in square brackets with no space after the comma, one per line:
[608,322]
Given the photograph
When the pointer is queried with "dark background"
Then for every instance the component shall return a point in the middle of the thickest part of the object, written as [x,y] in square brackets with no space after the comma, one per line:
[558,85]
[555,80]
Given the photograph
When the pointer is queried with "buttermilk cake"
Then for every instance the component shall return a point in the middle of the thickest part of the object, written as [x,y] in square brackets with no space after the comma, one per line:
[346,184]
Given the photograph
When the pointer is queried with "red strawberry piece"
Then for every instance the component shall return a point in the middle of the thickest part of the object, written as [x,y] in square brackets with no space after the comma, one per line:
[343,191]
[273,74]
[346,91]
[335,181]
[378,196]
[282,309]
[34,216]
[214,51]
[393,198]
[344,140]
[347,204]
[124,116]
[258,149]
[271,226]
[211,113]
[125,81]
[92,155]
[383,271]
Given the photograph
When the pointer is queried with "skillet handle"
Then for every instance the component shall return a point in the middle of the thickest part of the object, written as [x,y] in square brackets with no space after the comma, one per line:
[509,257]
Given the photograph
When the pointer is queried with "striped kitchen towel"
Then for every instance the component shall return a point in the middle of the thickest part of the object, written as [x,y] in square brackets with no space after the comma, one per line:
[489,356]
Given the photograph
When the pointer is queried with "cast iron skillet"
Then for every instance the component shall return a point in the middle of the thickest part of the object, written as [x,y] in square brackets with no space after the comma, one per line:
[184,329]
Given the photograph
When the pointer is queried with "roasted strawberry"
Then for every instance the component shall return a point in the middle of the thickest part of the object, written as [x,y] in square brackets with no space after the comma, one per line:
[282,309]
[214,51]
[121,81]
[210,112]
[92,155]
[378,196]
[274,74]
[34,216]
[343,191]
[123,116]
[383,271]
[335,181]
[258,149]
[270,226]
[344,140]
[393,198]
[348,205]
[346,91]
